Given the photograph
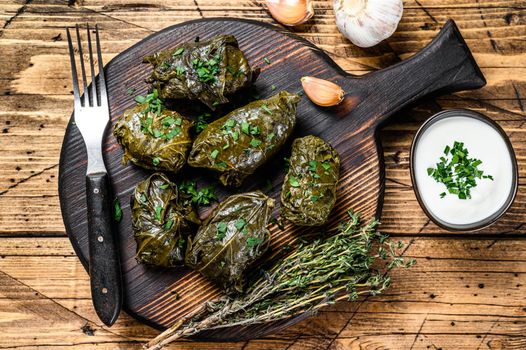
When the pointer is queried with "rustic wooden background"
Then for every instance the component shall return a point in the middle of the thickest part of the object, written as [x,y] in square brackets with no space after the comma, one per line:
[467,290]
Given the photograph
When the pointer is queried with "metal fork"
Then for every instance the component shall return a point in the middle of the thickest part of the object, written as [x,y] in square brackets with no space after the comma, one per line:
[91,117]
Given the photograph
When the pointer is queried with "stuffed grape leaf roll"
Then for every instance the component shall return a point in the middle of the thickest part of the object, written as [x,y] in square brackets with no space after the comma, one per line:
[154,138]
[207,70]
[163,219]
[309,189]
[231,239]
[238,143]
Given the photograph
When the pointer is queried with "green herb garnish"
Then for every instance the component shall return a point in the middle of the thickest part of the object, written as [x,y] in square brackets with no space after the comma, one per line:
[254,241]
[169,223]
[158,210]
[313,166]
[178,51]
[266,109]
[214,153]
[221,230]
[245,128]
[202,197]
[207,70]
[155,104]
[293,181]
[457,171]
[117,210]
[156,161]
[255,143]
[202,122]
[267,61]
[240,223]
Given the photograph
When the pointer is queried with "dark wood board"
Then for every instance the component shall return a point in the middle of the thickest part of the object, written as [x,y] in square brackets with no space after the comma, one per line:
[161,296]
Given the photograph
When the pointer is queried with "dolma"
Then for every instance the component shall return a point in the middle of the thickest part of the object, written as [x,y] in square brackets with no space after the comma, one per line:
[309,189]
[163,219]
[154,139]
[237,144]
[207,71]
[231,239]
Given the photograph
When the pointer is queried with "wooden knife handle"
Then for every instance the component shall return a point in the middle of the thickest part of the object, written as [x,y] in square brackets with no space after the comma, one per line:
[104,264]
[444,65]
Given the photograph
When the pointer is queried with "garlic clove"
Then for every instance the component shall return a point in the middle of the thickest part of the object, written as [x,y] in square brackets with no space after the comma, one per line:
[291,12]
[367,22]
[322,92]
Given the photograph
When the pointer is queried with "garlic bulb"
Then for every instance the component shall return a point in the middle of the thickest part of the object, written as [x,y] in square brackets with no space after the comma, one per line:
[367,22]
[322,92]
[291,12]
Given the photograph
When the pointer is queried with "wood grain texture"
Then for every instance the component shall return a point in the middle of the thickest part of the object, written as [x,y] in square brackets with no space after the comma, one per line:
[35,105]
[161,296]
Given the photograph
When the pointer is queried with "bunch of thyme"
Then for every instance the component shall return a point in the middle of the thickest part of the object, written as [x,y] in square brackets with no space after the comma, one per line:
[345,265]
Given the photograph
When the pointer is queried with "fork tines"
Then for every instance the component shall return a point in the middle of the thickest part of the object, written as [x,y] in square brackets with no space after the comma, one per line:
[94,97]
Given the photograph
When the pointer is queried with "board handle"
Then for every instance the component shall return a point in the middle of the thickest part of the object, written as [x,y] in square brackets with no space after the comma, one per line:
[445,65]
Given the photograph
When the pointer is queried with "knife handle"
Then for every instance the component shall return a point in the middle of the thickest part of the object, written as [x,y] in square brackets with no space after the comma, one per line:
[104,264]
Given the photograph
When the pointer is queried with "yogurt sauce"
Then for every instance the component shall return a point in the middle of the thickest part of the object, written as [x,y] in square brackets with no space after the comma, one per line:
[482,142]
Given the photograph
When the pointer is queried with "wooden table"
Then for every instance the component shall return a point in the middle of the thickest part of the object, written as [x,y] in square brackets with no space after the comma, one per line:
[467,290]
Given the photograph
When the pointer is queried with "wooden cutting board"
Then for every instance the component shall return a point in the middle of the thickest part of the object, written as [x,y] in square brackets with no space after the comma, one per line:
[160,296]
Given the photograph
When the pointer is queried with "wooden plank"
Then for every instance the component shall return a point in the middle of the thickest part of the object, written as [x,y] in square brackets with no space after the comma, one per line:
[472,283]
[43,73]
[35,88]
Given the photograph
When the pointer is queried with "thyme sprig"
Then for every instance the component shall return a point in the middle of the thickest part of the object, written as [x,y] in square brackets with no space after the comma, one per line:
[342,266]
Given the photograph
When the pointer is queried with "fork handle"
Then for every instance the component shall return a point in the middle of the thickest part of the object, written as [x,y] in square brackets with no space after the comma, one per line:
[104,264]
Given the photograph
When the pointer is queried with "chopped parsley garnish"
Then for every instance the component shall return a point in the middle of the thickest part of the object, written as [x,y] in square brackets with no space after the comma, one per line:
[172,133]
[178,51]
[222,165]
[158,210]
[169,121]
[130,91]
[313,166]
[245,128]
[180,70]
[164,187]
[267,61]
[255,143]
[155,104]
[202,122]
[143,199]
[325,166]
[156,161]
[273,87]
[254,130]
[117,210]
[214,154]
[240,223]
[235,136]
[229,124]
[457,171]
[266,109]
[253,241]
[293,181]
[169,223]
[270,136]
[314,199]
[202,197]
[221,230]
[207,70]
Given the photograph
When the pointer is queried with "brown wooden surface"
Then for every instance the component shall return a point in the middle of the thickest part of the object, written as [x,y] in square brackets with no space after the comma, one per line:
[159,297]
[467,291]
